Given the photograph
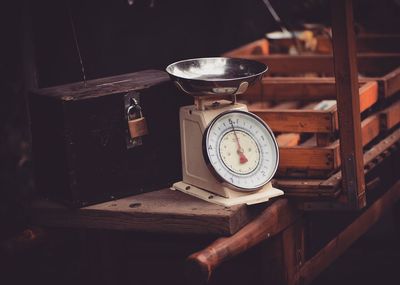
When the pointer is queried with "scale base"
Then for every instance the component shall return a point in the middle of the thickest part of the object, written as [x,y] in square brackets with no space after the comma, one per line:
[262,195]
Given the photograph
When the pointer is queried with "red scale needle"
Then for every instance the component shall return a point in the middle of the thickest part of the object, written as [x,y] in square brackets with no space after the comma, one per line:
[242,158]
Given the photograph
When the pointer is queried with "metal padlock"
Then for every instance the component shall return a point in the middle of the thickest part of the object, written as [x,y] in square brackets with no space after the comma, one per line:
[136,122]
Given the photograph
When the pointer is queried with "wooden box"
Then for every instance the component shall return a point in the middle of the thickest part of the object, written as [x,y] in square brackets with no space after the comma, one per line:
[297,99]
[80,138]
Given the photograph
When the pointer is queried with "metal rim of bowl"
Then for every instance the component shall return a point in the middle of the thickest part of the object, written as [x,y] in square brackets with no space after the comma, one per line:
[265,69]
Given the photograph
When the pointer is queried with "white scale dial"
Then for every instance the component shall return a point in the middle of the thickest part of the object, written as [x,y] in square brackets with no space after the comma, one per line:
[241,150]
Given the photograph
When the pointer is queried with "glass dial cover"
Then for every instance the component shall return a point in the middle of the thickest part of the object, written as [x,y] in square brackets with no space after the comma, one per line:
[241,150]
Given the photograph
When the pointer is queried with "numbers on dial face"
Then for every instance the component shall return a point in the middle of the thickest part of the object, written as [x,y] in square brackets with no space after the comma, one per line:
[234,142]
[241,150]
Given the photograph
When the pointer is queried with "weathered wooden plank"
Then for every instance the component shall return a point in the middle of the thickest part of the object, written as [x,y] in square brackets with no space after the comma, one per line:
[260,47]
[292,88]
[298,121]
[348,101]
[105,86]
[390,116]
[391,82]
[273,220]
[291,139]
[163,211]
[341,242]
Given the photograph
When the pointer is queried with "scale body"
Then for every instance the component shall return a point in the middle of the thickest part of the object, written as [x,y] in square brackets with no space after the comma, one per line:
[199,179]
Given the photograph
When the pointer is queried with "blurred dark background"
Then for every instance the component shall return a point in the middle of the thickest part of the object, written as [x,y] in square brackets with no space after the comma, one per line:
[38,49]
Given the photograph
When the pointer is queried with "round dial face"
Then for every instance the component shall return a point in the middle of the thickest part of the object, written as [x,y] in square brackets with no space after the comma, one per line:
[241,150]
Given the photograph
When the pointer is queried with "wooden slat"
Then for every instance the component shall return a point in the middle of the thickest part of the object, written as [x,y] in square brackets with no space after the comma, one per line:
[292,139]
[314,88]
[391,82]
[283,89]
[163,211]
[390,117]
[259,47]
[305,120]
[368,63]
[295,88]
[294,64]
[340,243]
[321,158]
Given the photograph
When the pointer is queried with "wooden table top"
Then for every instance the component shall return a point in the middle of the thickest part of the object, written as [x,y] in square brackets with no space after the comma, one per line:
[162,211]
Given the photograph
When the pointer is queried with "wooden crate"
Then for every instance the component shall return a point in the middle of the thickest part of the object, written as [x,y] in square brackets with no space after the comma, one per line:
[296,99]
[307,132]
[314,71]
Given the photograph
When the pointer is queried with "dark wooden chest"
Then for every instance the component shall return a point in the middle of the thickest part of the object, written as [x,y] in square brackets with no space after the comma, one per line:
[80,138]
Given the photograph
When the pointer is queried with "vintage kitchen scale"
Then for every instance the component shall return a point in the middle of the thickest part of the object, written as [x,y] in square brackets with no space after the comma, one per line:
[229,155]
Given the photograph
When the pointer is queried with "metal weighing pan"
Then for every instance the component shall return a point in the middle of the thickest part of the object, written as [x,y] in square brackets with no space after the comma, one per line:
[215,75]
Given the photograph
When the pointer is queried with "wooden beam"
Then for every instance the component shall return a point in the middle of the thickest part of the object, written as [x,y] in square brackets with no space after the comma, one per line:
[348,101]
[343,241]
[273,220]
